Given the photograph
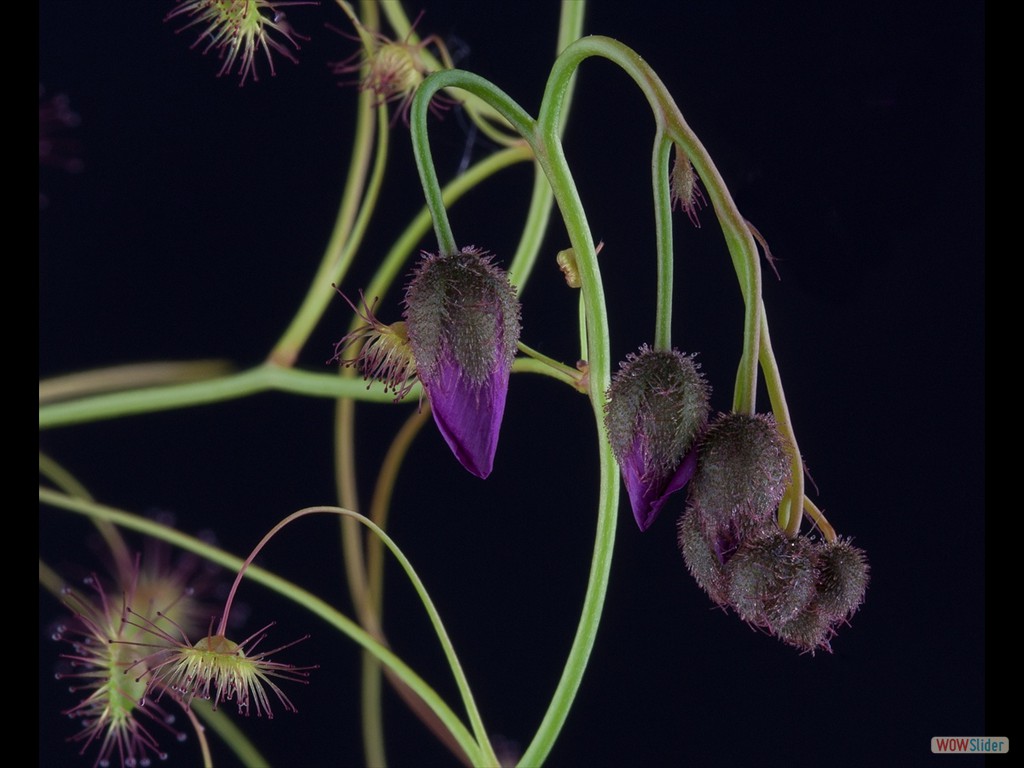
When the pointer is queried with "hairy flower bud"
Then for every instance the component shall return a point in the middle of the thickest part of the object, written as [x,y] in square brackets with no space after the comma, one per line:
[462,319]
[772,578]
[841,584]
[658,405]
[809,630]
[844,579]
[701,558]
[743,467]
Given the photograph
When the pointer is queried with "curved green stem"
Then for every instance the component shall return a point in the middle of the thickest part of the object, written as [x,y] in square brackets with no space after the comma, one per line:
[112,537]
[348,231]
[421,145]
[535,362]
[221,723]
[262,378]
[738,238]
[570,28]
[301,597]
[792,505]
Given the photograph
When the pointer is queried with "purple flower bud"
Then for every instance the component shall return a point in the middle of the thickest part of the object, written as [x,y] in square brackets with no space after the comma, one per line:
[657,407]
[462,319]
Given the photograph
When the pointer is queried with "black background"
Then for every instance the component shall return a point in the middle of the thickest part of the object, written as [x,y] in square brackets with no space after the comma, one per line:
[851,136]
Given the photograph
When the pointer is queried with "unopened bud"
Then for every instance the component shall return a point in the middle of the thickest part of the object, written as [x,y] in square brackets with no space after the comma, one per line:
[843,580]
[772,578]
[462,320]
[810,630]
[657,408]
[743,467]
[702,561]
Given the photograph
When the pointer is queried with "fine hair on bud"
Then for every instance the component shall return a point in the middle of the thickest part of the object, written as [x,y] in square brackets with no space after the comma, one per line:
[809,631]
[772,578]
[461,305]
[660,399]
[462,321]
[658,404]
[702,561]
[843,580]
[743,468]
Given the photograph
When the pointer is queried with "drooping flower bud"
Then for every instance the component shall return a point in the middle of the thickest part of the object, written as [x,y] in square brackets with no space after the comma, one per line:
[658,404]
[462,319]
[809,630]
[772,578]
[743,468]
[844,579]
[841,584]
[701,558]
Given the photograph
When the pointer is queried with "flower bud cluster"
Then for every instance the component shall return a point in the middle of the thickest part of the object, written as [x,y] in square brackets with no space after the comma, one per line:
[797,589]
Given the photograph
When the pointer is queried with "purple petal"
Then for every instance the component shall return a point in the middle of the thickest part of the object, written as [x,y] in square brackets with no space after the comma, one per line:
[468,413]
[647,493]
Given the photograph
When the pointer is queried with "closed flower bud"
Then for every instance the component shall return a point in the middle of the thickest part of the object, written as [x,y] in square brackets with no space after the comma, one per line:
[701,558]
[843,580]
[743,467]
[658,405]
[772,578]
[462,320]
[810,630]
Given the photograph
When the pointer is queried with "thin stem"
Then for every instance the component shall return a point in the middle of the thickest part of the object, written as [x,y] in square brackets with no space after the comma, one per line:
[543,136]
[379,506]
[663,238]
[262,378]
[792,505]
[421,145]
[299,596]
[204,745]
[737,235]
[357,206]
[819,520]
[115,542]
[535,362]
[132,376]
